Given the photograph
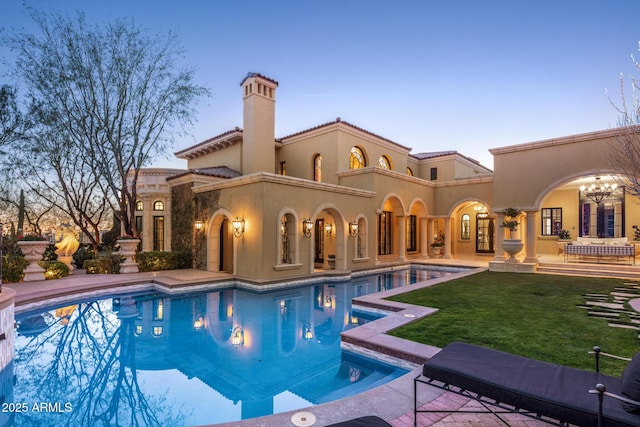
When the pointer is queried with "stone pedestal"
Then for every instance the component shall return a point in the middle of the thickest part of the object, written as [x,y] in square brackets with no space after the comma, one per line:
[33,251]
[67,260]
[128,251]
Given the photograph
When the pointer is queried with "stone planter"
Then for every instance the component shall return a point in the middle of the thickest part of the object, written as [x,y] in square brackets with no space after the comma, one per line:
[128,250]
[436,251]
[33,251]
[512,247]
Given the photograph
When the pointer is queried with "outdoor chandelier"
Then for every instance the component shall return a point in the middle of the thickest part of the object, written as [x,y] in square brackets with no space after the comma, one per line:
[597,192]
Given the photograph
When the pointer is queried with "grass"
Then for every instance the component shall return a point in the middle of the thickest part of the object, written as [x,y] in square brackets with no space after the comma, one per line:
[533,315]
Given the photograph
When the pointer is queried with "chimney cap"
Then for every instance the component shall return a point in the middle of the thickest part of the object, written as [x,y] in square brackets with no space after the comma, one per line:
[259,76]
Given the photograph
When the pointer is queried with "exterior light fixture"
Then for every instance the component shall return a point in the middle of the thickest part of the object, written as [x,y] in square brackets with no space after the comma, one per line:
[353,229]
[597,191]
[307,227]
[237,337]
[355,320]
[307,333]
[199,225]
[328,228]
[238,226]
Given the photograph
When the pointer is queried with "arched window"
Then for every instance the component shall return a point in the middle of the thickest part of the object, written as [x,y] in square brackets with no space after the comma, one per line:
[357,159]
[465,227]
[409,171]
[139,205]
[384,162]
[158,205]
[317,168]
[287,239]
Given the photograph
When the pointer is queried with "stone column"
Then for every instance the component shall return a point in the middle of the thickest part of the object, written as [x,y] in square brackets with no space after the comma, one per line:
[531,238]
[499,251]
[447,238]
[402,238]
[167,224]
[429,234]
[147,224]
[424,242]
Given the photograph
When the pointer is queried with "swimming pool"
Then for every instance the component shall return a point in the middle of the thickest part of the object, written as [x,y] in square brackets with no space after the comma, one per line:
[154,359]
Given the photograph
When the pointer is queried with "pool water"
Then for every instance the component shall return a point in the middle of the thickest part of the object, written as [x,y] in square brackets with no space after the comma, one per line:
[152,359]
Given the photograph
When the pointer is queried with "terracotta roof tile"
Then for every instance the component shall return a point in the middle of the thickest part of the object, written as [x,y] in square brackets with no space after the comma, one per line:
[339,120]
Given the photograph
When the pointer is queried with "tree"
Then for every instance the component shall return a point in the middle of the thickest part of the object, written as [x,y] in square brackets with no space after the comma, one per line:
[12,122]
[624,154]
[111,95]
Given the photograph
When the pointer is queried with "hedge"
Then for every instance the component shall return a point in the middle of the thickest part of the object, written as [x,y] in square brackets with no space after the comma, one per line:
[105,264]
[54,269]
[156,261]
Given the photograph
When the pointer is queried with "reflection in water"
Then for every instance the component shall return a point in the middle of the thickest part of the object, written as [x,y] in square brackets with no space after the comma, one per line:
[152,359]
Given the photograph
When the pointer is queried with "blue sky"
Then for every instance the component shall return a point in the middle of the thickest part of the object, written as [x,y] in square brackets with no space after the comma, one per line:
[431,75]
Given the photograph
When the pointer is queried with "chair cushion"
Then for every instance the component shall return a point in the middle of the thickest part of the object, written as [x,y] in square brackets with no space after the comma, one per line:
[630,384]
[557,391]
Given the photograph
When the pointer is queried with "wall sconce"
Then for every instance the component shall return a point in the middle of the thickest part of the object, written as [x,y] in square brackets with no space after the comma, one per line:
[237,337]
[307,227]
[238,227]
[353,229]
[328,228]
[307,333]
[199,225]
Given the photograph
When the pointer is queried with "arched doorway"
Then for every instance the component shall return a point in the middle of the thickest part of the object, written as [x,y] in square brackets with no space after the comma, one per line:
[329,239]
[220,246]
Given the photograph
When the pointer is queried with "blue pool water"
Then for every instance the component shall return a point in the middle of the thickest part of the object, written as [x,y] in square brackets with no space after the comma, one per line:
[152,359]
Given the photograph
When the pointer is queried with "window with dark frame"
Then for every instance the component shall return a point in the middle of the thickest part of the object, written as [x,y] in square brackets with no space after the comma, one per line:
[384,233]
[434,174]
[465,227]
[412,233]
[551,221]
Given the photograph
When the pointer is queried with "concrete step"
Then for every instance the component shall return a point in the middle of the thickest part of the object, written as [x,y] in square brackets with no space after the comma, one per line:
[598,270]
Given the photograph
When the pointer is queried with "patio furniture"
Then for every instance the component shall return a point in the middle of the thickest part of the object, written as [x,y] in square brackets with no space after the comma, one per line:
[506,383]
[368,421]
[600,251]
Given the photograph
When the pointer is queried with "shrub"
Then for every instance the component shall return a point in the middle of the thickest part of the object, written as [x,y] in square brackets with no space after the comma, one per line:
[83,253]
[156,261]
[12,268]
[104,264]
[50,253]
[54,269]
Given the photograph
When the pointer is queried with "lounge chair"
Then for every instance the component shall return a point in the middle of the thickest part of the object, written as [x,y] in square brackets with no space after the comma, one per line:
[553,393]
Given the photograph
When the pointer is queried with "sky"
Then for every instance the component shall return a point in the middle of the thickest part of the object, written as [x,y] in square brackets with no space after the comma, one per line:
[432,75]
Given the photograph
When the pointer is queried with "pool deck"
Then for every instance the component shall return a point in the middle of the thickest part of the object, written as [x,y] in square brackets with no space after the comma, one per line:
[392,401]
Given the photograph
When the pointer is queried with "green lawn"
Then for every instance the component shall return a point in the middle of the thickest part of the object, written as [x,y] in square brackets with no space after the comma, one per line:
[534,315]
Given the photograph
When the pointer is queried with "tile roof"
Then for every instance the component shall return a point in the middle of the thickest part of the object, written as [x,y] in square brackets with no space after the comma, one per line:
[433,154]
[216,171]
[250,74]
[218,142]
[337,121]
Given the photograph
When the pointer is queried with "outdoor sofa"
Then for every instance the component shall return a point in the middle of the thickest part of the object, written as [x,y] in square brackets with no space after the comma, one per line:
[600,249]
[556,394]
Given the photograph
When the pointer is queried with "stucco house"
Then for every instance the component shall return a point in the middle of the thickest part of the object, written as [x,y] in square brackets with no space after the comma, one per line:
[337,196]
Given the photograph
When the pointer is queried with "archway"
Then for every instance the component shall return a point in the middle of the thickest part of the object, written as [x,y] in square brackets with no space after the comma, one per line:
[220,243]
[329,239]
[391,229]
